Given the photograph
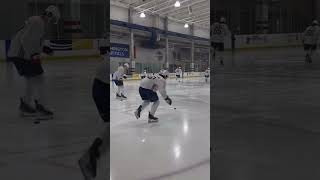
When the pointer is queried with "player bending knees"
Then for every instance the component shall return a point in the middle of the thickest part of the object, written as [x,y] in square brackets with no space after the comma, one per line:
[148,93]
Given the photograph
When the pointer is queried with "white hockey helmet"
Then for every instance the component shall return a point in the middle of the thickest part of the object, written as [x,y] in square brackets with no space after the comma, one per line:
[222,20]
[53,13]
[208,68]
[315,22]
[165,74]
[126,65]
[179,67]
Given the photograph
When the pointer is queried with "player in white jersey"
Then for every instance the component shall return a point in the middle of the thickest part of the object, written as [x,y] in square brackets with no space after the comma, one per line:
[310,40]
[207,74]
[148,92]
[219,31]
[144,74]
[118,77]
[101,144]
[178,72]
[25,49]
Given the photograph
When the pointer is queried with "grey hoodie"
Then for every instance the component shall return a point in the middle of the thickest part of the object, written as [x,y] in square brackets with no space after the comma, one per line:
[29,39]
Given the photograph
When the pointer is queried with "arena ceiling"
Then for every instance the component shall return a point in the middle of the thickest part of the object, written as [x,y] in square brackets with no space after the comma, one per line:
[190,11]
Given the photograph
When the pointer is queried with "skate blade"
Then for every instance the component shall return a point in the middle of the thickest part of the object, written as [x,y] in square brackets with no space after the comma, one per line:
[44,117]
[152,121]
[136,114]
[85,173]
[28,115]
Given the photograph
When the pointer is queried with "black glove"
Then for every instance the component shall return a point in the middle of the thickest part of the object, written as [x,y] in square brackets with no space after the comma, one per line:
[47,50]
[168,100]
[125,77]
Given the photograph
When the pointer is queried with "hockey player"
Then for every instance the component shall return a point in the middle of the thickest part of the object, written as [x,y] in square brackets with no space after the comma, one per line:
[310,40]
[219,31]
[118,77]
[101,144]
[24,52]
[207,74]
[144,74]
[178,72]
[148,92]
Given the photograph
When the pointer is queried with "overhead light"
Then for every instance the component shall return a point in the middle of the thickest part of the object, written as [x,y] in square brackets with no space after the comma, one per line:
[177,4]
[142,15]
[186,25]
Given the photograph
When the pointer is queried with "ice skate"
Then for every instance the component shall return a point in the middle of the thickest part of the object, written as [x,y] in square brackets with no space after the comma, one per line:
[87,166]
[88,162]
[137,113]
[123,96]
[118,96]
[43,112]
[26,110]
[152,119]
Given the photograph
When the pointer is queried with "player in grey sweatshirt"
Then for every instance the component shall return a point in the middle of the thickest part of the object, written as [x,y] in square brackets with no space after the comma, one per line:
[25,49]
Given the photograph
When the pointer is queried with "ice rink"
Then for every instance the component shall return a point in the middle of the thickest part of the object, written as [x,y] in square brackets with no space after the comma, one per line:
[175,148]
[49,150]
[266,116]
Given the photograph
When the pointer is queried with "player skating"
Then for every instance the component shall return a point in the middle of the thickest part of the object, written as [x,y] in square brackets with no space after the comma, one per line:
[101,145]
[148,93]
[310,40]
[25,50]
[117,78]
[178,72]
[144,74]
[219,31]
[207,74]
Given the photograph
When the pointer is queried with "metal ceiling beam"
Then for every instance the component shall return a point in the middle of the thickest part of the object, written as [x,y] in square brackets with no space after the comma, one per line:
[195,16]
[182,7]
[141,5]
[171,6]
[194,13]
[194,9]
[152,7]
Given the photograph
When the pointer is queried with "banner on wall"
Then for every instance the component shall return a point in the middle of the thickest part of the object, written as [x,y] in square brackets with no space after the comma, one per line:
[120,50]
[61,45]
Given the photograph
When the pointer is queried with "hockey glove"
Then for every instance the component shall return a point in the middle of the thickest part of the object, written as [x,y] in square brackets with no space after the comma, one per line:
[47,50]
[168,100]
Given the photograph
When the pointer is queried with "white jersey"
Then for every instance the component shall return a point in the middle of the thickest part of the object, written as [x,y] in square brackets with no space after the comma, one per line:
[155,83]
[102,72]
[207,72]
[218,32]
[144,74]
[178,71]
[311,35]
[29,39]
[118,75]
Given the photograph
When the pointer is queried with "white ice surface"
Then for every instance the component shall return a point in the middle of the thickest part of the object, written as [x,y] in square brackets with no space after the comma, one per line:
[175,148]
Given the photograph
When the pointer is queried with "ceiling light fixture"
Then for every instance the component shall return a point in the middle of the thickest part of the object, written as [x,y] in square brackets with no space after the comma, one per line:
[186,25]
[177,4]
[142,15]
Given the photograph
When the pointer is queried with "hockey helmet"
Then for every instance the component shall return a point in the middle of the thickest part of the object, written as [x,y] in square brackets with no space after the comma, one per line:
[222,20]
[126,65]
[53,13]
[315,22]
